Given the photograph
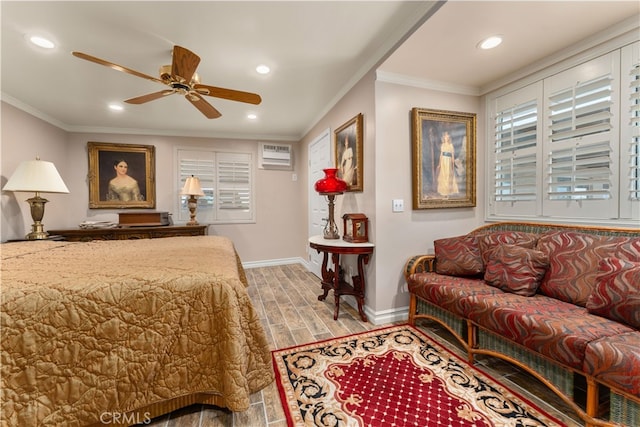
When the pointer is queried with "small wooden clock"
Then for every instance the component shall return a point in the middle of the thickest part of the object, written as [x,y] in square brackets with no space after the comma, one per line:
[356,228]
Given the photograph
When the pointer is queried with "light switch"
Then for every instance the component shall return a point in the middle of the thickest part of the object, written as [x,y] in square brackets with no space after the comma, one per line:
[398,205]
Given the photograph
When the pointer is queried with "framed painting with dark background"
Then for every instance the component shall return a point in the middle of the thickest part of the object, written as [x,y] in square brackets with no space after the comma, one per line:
[121,176]
[347,144]
[443,164]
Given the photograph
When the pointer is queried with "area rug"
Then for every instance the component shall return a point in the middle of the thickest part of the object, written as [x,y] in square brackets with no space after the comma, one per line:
[395,376]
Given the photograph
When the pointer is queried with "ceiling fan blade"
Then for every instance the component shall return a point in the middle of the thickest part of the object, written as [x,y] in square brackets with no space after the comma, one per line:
[115,66]
[184,64]
[149,97]
[205,108]
[230,94]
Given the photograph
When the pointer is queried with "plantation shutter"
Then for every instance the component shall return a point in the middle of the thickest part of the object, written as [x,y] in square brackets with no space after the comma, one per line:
[234,186]
[581,142]
[515,165]
[515,177]
[630,135]
[634,123]
[226,180]
[202,165]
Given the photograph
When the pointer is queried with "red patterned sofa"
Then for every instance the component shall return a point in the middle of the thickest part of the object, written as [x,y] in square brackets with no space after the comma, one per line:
[560,301]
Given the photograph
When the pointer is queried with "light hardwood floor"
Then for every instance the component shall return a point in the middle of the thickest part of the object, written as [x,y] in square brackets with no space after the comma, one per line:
[286,298]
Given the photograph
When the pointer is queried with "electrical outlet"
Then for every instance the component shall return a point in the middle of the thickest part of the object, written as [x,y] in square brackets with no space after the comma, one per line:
[398,205]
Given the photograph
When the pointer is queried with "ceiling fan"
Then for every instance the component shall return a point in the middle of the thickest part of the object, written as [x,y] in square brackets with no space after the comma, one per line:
[181,77]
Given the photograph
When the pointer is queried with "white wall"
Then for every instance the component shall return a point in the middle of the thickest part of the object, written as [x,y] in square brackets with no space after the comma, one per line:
[24,136]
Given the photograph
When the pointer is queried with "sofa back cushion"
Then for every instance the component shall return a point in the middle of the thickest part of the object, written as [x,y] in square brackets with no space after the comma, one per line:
[515,269]
[617,293]
[489,241]
[574,258]
[458,256]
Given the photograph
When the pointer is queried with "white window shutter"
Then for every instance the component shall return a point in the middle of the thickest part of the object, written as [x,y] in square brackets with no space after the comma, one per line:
[630,133]
[581,143]
[515,158]
[226,180]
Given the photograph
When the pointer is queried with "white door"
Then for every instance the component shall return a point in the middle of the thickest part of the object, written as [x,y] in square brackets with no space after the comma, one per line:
[319,158]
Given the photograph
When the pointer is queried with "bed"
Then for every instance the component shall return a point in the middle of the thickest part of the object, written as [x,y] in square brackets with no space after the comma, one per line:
[118,332]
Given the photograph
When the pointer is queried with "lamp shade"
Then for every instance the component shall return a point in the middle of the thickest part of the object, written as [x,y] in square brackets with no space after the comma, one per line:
[192,187]
[330,184]
[37,176]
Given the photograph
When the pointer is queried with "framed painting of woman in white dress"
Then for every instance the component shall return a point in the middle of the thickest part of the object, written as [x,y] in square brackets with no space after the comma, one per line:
[443,148]
[347,143]
[121,176]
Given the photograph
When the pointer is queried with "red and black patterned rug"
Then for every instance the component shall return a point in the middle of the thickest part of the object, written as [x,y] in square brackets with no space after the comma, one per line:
[395,376]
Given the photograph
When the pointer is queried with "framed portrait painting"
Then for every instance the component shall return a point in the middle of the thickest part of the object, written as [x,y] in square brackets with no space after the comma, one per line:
[347,144]
[121,176]
[444,164]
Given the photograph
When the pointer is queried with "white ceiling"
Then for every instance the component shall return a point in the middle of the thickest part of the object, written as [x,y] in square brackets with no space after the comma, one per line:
[316,51]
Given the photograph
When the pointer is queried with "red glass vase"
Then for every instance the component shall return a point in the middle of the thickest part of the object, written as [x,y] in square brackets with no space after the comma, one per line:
[330,184]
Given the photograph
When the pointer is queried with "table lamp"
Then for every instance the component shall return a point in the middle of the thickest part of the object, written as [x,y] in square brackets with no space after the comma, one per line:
[330,186]
[40,177]
[192,189]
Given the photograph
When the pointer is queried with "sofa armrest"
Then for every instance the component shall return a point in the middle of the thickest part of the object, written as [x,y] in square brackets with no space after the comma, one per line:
[419,264]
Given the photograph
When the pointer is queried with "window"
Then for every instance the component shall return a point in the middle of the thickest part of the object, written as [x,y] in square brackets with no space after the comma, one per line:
[227,182]
[515,159]
[630,134]
[568,146]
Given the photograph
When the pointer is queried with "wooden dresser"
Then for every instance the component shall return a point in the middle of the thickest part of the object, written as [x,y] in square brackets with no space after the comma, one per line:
[125,233]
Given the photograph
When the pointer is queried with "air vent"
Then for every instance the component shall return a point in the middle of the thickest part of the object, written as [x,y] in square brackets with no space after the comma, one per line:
[275,156]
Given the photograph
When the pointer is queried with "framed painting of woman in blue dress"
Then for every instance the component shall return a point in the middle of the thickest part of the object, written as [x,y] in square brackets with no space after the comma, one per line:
[121,176]
[443,164]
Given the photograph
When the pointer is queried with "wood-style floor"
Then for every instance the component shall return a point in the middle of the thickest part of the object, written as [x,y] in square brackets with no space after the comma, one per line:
[286,298]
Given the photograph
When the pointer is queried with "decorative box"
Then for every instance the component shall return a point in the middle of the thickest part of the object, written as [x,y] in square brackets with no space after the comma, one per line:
[143,219]
[355,227]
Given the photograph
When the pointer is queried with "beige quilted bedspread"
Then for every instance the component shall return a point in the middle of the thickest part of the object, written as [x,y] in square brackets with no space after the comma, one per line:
[116,326]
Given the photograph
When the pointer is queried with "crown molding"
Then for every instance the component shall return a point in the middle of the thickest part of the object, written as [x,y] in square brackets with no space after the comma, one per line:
[405,80]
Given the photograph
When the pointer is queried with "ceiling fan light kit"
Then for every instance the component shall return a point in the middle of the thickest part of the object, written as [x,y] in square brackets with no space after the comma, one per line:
[182,79]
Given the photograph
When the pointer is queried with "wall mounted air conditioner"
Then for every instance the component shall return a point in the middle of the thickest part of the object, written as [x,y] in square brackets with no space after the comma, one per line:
[275,156]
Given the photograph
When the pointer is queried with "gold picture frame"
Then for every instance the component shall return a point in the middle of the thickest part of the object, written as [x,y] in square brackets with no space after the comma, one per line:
[348,153]
[444,163]
[121,176]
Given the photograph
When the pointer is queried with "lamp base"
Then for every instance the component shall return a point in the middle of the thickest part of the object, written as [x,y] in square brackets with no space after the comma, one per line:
[192,204]
[331,228]
[37,213]
[37,232]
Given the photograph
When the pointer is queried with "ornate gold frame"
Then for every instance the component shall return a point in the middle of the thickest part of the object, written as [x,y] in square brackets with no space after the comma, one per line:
[443,178]
[141,161]
[353,131]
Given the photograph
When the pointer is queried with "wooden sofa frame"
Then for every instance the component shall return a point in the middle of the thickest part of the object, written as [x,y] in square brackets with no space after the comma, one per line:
[469,333]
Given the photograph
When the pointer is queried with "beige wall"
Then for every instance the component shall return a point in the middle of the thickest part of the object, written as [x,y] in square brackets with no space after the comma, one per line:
[402,235]
[272,237]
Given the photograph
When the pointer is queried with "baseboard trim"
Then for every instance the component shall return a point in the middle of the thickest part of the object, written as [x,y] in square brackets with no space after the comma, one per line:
[275,262]
[375,317]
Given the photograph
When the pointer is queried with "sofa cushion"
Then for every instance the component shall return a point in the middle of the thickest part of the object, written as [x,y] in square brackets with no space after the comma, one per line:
[574,259]
[553,328]
[617,292]
[515,269]
[615,360]
[458,256]
[447,291]
[489,241]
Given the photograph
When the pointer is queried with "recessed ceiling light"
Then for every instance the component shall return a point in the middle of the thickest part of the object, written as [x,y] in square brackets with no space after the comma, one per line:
[490,42]
[263,69]
[116,107]
[252,116]
[42,42]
